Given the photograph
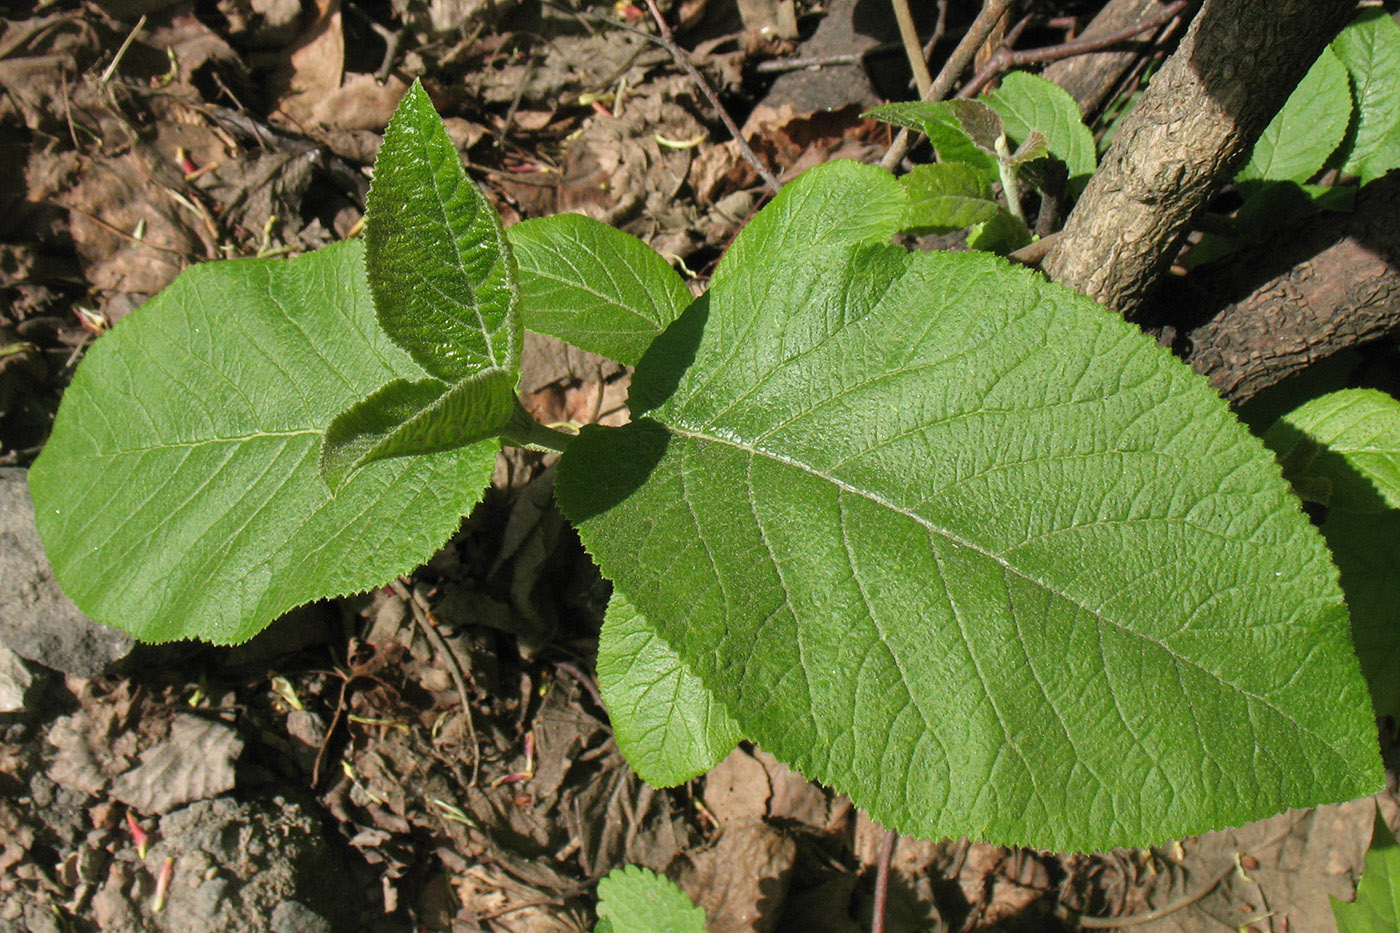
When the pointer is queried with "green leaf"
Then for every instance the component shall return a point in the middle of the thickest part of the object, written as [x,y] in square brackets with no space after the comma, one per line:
[594,286]
[978,553]
[633,899]
[1377,905]
[961,131]
[1347,443]
[405,418]
[946,197]
[1001,234]
[1370,49]
[442,275]
[846,202]
[669,727]
[1027,102]
[179,496]
[1354,436]
[1296,143]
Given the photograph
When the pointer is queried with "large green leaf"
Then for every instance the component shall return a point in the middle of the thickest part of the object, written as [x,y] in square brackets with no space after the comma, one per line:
[1027,102]
[1370,49]
[669,727]
[974,551]
[179,495]
[594,286]
[441,272]
[1296,143]
[1377,905]
[632,899]
[1344,448]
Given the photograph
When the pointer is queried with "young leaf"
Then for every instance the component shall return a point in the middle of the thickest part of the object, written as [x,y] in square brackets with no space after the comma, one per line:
[197,422]
[1027,102]
[946,197]
[1370,49]
[633,899]
[1350,447]
[594,286]
[1296,143]
[1377,905]
[961,131]
[669,727]
[423,417]
[442,275]
[972,550]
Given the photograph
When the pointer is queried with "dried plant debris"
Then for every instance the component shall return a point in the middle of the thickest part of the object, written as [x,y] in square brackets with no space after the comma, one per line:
[194,762]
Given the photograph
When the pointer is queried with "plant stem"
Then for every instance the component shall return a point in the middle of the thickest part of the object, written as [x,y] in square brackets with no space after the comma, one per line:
[882,881]
[524,431]
[909,35]
[1010,186]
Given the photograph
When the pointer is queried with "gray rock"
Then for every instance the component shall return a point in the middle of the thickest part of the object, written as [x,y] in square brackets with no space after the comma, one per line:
[38,622]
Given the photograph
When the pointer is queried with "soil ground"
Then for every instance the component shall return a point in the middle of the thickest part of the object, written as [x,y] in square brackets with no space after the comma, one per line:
[434,755]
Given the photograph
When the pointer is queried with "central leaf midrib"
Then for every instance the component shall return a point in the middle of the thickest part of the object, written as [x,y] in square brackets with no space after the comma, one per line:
[1001,561]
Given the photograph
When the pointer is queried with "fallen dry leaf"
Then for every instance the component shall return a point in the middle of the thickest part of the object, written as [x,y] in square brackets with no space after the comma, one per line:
[194,762]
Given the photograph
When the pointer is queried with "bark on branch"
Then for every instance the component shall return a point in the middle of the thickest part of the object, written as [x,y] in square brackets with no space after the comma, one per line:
[1191,130]
[1303,296]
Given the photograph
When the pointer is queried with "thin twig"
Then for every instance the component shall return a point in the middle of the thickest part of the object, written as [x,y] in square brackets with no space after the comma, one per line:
[909,35]
[1006,59]
[992,11]
[1033,253]
[424,617]
[882,881]
[684,61]
[117,59]
[774,66]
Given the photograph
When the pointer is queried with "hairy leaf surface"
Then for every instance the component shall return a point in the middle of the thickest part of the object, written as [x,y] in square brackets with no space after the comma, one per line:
[594,286]
[179,495]
[423,417]
[1296,143]
[1344,448]
[1370,49]
[974,551]
[441,272]
[669,727]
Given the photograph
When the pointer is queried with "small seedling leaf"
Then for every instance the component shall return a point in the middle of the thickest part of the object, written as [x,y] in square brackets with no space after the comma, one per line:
[179,495]
[633,899]
[1370,49]
[416,417]
[1027,103]
[442,275]
[669,727]
[969,548]
[594,286]
[961,131]
[945,197]
[1296,143]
